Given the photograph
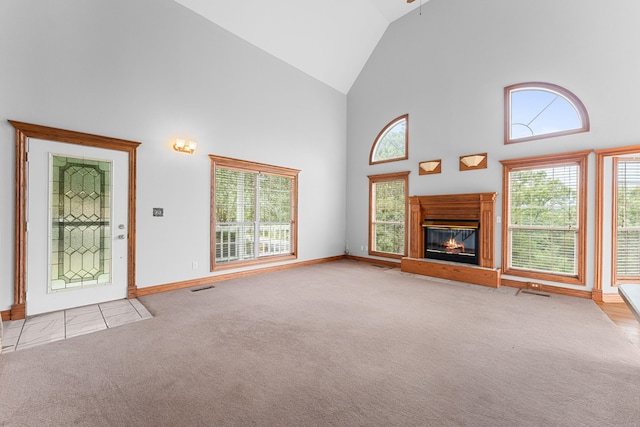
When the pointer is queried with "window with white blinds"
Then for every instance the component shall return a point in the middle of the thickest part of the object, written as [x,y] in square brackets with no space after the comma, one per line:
[388,216]
[254,212]
[545,217]
[627,217]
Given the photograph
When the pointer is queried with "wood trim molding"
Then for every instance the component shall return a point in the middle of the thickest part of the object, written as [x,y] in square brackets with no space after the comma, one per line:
[255,168]
[18,309]
[453,271]
[578,293]
[616,279]
[229,276]
[390,264]
[576,157]
[600,297]
[599,219]
[614,222]
[383,131]
[5,315]
[374,179]
[565,93]
[611,299]
[599,216]
[28,130]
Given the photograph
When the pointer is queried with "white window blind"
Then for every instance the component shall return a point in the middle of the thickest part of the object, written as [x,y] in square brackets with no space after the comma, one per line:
[628,219]
[389,216]
[543,219]
[253,215]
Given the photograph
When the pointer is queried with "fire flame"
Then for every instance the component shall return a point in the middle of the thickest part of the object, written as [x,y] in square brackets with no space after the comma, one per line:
[452,245]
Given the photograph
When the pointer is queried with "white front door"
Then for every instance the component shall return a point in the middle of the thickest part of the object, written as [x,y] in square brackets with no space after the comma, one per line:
[77,216]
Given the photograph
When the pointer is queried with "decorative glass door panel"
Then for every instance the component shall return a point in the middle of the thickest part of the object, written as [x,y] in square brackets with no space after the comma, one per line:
[77,216]
[81,222]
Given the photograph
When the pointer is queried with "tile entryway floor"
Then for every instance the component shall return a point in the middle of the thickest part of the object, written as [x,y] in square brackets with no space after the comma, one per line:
[60,325]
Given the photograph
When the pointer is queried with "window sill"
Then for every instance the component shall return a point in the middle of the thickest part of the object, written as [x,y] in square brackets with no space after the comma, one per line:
[250,262]
[569,280]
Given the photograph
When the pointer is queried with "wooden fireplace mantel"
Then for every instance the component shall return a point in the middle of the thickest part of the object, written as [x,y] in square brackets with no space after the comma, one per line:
[475,206]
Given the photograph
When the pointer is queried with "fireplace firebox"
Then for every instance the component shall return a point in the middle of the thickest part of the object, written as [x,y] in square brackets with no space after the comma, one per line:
[451,240]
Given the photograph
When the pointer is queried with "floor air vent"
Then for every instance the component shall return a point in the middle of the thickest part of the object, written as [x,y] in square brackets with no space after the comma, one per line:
[529,291]
[204,288]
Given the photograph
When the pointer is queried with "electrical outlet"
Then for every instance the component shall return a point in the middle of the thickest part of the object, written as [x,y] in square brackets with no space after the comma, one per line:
[534,286]
[194,265]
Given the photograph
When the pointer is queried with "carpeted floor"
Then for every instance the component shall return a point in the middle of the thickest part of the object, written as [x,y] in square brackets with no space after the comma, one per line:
[336,344]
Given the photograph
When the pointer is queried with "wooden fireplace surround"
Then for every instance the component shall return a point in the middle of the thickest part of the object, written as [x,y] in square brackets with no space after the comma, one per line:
[475,206]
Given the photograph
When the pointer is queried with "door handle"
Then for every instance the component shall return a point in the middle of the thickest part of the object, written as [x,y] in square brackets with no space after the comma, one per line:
[121,236]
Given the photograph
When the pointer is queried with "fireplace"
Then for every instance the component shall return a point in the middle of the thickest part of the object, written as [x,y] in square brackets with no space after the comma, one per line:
[451,240]
[470,223]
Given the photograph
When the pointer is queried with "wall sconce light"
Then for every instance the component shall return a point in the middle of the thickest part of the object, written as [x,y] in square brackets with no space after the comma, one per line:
[185,146]
[473,161]
[430,167]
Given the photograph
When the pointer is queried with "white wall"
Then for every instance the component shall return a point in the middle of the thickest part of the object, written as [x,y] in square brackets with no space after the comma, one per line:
[447,69]
[152,70]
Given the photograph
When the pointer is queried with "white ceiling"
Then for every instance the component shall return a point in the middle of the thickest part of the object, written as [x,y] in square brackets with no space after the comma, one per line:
[330,40]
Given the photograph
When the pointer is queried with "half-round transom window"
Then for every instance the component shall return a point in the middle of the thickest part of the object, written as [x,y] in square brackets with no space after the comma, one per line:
[392,142]
[542,110]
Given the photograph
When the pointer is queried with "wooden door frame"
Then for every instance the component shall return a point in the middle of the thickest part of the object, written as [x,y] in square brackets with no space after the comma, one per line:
[597,293]
[28,130]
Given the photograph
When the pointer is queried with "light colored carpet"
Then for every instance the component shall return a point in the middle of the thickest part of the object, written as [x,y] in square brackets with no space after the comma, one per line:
[336,344]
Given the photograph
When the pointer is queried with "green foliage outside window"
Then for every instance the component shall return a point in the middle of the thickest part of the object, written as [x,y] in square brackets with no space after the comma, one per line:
[543,219]
[253,211]
[391,144]
[235,196]
[628,219]
[275,198]
[389,216]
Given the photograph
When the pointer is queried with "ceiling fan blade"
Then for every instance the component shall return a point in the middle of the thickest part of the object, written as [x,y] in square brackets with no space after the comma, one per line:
[410,1]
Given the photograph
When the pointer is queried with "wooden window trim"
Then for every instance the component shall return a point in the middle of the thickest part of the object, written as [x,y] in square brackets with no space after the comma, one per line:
[601,155]
[616,279]
[570,96]
[577,157]
[383,131]
[255,167]
[373,179]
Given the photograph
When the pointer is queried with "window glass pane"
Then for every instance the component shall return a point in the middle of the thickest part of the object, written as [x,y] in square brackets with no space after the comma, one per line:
[540,112]
[81,222]
[253,215]
[275,215]
[235,196]
[544,197]
[392,143]
[544,250]
[628,219]
[389,216]
[543,219]
[537,110]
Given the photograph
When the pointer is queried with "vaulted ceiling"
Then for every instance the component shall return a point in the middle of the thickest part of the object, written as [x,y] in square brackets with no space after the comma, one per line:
[330,40]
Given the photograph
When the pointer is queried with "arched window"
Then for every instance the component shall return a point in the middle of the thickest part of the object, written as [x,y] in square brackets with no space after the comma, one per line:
[541,110]
[391,144]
